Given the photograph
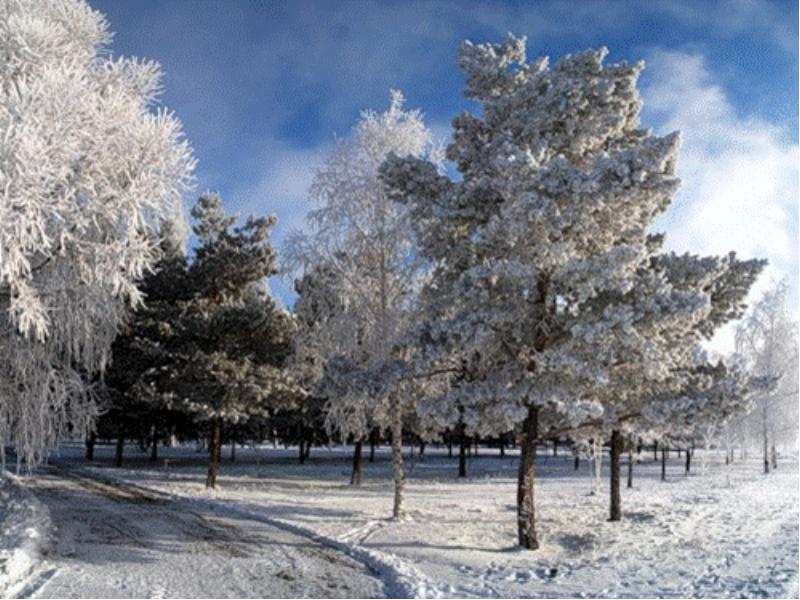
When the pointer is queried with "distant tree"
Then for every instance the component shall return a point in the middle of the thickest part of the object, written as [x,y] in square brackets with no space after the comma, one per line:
[766,341]
[133,409]
[88,172]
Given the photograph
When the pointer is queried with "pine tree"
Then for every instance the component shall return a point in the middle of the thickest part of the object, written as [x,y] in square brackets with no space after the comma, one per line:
[223,356]
[545,295]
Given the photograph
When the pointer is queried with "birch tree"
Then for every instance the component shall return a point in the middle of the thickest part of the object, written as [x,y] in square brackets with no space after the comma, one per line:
[365,243]
[88,169]
[766,341]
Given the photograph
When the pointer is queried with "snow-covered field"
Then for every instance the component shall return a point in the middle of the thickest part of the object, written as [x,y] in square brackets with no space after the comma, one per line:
[729,532]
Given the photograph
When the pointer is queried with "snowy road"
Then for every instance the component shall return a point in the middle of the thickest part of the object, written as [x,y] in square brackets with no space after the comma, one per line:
[117,540]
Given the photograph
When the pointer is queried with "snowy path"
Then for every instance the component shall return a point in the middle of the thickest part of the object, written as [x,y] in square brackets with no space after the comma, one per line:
[117,540]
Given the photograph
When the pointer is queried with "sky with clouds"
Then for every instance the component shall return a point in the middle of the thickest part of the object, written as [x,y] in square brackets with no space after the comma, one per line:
[264,87]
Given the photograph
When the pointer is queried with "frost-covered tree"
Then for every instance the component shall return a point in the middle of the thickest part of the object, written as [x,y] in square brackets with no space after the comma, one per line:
[364,243]
[546,289]
[766,341]
[88,169]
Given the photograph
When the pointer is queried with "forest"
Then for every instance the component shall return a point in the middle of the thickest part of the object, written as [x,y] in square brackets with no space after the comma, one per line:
[502,295]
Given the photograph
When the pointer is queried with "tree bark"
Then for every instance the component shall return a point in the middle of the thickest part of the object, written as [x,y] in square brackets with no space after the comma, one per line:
[355,477]
[214,452]
[577,462]
[462,453]
[663,464]
[655,451]
[526,508]
[630,469]
[90,442]
[397,459]
[302,451]
[615,512]
[422,450]
[373,441]
[555,447]
[689,461]
[119,450]
[154,444]
[774,457]
[766,441]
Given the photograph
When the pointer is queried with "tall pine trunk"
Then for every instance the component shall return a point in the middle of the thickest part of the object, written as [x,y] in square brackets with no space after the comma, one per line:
[397,459]
[214,452]
[302,451]
[689,461]
[577,462]
[355,477]
[373,441]
[91,439]
[154,444]
[120,449]
[462,452]
[615,513]
[526,507]
[663,464]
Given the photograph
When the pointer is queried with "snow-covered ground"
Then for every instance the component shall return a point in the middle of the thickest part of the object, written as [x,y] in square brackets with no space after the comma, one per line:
[25,532]
[729,532]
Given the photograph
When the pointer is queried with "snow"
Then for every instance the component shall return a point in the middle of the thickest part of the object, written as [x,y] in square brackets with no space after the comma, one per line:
[24,535]
[730,531]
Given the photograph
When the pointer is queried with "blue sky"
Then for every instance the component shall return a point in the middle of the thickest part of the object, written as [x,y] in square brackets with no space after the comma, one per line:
[263,87]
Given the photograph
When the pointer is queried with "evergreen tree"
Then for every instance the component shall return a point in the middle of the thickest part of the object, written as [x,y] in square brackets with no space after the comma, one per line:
[545,291]
[223,353]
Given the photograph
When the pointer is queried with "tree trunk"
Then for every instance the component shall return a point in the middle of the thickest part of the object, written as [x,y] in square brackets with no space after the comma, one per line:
[120,448]
[233,450]
[373,441]
[307,451]
[689,461]
[555,447]
[502,448]
[154,444]
[450,448]
[302,455]
[397,459]
[655,451]
[214,452]
[615,513]
[476,447]
[679,452]
[422,450]
[577,462]
[355,477]
[526,507]
[462,454]
[90,442]
[630,469]
[663,464]
[766,441]
[774,457]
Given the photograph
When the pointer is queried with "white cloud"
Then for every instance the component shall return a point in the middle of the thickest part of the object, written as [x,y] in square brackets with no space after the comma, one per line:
[739,174]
